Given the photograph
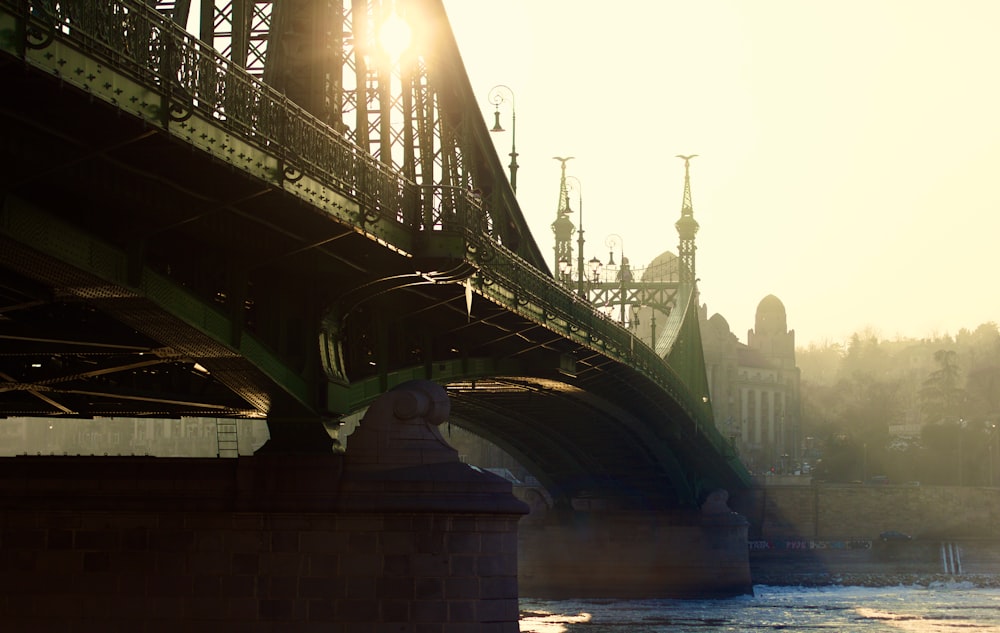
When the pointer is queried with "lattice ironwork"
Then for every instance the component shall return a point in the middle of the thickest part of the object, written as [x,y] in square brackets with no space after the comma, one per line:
[687,227]
[435,172]
[176,10]
[327,58]
[240,30]
[197,79]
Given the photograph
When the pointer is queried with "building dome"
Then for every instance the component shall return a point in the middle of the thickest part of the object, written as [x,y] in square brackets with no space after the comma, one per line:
[719,325]
[770,317]
[664,268]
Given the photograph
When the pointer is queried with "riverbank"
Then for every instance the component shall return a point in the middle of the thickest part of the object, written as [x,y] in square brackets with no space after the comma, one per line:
[847,579]
[875,563]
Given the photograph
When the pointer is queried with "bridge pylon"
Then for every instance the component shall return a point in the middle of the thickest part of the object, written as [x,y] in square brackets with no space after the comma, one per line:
[687,228]
[563,227]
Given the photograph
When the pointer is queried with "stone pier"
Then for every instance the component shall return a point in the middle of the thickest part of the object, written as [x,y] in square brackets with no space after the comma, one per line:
[604,554]
[396,536]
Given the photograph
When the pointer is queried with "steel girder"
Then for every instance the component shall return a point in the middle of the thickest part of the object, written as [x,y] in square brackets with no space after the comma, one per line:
[343,220]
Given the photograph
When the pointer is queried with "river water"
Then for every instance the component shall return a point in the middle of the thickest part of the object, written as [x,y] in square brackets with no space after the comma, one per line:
[952,607]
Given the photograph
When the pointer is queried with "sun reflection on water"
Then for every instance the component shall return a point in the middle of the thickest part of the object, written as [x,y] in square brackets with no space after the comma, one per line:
[547,622]
[906,622]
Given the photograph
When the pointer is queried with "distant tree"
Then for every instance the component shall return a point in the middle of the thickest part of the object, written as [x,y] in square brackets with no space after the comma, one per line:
[938,459]
[983,387]
[983,381]
[851,394]
[902,459]
[871,407]
[984,339]
[942,399]
[956,453]
[842,460]
[866,355]
[820,364]
[819,400]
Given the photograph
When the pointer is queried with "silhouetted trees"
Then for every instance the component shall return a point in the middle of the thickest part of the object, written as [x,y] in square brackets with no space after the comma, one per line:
[942,400]
[914,410]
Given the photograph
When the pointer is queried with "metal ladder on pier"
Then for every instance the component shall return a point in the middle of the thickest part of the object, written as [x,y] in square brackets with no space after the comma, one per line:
[228,438]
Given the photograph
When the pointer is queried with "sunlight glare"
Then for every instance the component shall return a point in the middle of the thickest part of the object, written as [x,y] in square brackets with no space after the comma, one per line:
[905,622]
[543,622]
[395,35]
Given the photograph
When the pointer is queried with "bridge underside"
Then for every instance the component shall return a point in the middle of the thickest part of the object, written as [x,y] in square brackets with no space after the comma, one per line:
[80,343]
[585,451]
[142,276]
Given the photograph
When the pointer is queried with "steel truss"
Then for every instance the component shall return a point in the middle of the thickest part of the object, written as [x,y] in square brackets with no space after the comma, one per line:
[326,57]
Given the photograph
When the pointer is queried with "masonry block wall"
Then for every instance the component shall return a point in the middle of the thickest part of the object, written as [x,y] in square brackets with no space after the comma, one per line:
[634,556]
[255,544]
[396,535]
[844,511]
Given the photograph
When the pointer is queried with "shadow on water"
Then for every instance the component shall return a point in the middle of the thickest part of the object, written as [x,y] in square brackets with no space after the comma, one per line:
[782,537]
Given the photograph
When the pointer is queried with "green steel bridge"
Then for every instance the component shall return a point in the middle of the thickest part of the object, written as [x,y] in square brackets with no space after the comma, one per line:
[273,218]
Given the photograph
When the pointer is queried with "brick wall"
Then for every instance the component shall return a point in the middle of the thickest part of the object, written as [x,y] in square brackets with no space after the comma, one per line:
[254,544]
[832,512]
[610,555]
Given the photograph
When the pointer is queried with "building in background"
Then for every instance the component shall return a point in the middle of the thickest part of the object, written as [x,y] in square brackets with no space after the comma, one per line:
[754,387]
[158,437]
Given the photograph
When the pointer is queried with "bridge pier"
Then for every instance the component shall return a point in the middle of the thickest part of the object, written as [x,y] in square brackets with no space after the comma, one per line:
[602,554]
[396,536]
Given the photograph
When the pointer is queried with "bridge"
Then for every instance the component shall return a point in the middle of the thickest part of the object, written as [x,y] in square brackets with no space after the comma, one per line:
[278,218]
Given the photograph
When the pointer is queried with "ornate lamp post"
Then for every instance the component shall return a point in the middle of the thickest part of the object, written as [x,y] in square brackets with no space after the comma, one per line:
[991,431]
[655,291]
[498,95]
[580,288]
[564,270]
[595,269]
[562,227]
[624,271]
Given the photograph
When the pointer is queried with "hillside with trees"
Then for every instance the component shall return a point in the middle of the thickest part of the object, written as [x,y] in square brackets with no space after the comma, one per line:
[905,410]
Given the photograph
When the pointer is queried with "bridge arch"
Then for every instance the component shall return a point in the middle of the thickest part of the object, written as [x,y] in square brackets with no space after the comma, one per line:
[613,439]
[242,229]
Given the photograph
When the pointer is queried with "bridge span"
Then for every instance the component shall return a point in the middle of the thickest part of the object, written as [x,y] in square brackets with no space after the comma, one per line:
[274,219]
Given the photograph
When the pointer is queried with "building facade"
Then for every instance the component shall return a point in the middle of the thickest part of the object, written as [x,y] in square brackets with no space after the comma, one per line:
[755,387]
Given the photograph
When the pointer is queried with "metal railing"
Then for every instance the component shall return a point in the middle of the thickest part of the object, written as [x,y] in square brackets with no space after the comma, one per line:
[147,46]
[567,313]
[194,78]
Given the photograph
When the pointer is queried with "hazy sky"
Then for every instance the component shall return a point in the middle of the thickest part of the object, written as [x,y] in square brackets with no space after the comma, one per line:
[848,151]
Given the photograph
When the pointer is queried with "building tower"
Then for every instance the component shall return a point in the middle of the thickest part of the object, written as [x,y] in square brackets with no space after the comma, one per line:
[563,228]
[772,341]
[687,227]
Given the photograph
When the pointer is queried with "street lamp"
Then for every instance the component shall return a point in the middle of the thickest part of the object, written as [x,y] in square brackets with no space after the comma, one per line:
[499,94]
[611,241]
[864,462]
[579,239]
[991,431]
[595,269]
[961,427]
[564,269]
[624,272]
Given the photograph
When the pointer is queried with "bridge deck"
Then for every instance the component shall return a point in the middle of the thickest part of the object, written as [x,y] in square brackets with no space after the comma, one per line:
[162,256]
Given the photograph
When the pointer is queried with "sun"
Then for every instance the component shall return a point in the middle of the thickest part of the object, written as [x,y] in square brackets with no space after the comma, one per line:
[395,35]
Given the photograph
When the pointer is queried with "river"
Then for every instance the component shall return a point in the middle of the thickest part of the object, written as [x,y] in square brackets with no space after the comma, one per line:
[947,607]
